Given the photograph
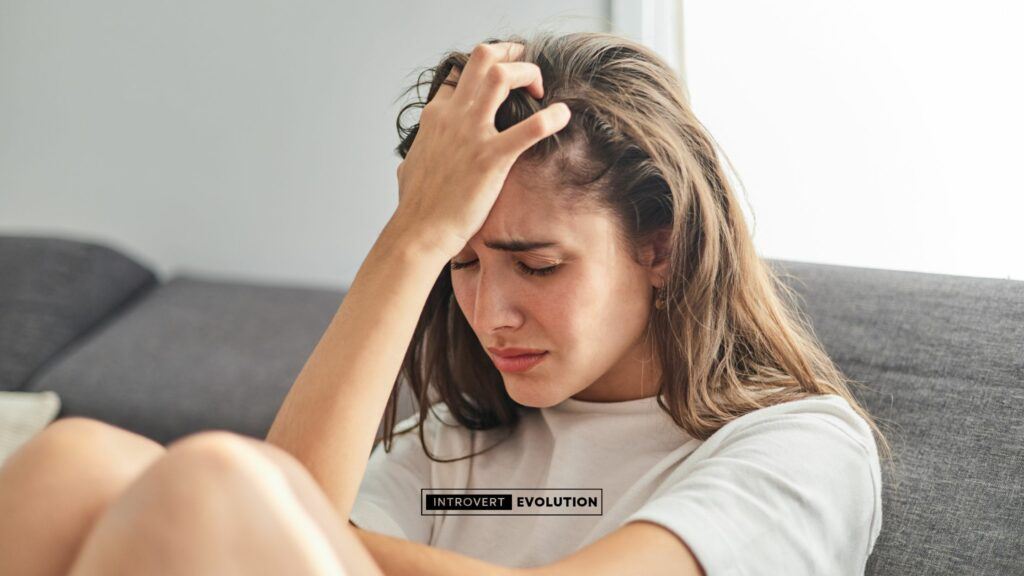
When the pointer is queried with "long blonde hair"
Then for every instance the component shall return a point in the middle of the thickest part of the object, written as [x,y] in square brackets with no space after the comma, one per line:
[731,338]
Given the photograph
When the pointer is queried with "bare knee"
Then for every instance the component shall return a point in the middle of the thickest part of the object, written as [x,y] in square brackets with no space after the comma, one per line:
[89,452]
[75,435]
[215,454]
[54,487]
[214,488]
[78,426]
[218,441]
[206,470]
[184,499]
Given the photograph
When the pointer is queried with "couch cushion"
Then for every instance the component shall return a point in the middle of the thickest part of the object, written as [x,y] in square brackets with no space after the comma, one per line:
[53,291]
[194,355]
[941,359]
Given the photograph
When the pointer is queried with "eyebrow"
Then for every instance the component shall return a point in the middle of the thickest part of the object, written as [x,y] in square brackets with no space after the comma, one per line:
[518,245]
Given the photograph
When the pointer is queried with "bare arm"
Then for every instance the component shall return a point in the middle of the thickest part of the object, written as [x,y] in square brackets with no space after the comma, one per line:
[330,416]
[397,557]
[636,548]
[448,183]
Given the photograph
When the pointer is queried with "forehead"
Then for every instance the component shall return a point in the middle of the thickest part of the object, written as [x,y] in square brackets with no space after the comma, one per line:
[529,208]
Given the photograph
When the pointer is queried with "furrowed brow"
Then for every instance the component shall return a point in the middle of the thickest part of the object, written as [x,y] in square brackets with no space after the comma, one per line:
[518,245]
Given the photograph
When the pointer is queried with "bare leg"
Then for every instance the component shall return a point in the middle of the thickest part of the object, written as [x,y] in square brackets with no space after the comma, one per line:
[217,503]
[54,487]
[346,543]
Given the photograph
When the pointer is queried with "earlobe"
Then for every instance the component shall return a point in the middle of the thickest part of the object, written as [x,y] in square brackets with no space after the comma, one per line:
[656,255]
[658,279]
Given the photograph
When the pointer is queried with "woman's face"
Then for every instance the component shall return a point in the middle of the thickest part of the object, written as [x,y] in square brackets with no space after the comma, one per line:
[589,313]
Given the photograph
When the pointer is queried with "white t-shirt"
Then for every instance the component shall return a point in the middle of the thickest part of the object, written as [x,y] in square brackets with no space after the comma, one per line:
[789,489]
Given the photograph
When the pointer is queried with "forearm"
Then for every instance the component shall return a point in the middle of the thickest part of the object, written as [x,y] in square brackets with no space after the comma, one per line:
[397,557]
[330,416]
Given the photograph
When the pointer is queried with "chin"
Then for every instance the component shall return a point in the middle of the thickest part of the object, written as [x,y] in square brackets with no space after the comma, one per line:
[531,395]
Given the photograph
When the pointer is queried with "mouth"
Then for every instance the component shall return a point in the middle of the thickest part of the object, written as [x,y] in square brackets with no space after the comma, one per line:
[519,363]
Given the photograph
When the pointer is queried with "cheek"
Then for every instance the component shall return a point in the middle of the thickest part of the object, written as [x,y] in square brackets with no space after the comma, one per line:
[465,295]
[566,311]
[605,313]
[555,316]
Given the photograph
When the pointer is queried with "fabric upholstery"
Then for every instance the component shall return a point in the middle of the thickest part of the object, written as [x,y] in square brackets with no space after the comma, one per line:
[53,291]
[195,355]
[940,360]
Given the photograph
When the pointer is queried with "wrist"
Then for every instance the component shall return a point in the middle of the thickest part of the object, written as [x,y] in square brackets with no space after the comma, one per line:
[413,243]
[410,237]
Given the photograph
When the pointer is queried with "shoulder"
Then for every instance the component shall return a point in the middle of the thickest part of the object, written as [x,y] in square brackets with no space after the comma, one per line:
[793,485]
[825,418]
[817,445]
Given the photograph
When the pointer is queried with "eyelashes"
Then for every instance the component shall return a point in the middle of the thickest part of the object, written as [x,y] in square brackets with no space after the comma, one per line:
[522,267]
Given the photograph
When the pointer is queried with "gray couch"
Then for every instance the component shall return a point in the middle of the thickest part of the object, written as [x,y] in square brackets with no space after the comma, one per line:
[941,358]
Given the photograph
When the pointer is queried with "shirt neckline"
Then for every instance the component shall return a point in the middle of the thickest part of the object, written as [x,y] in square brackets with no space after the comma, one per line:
[635,406]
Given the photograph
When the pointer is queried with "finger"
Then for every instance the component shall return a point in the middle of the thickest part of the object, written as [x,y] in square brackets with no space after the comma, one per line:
[517,139]
[482,58]
[448,85]
[500,80]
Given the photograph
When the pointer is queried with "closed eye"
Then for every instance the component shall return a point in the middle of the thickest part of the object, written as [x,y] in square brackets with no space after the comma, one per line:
[523,267]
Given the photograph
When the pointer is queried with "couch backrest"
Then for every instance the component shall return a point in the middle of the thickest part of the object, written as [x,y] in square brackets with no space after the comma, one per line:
[941,361]
[52,291]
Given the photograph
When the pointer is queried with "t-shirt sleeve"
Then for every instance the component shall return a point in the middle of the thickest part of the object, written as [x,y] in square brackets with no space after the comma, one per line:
[388,500]
[783,490]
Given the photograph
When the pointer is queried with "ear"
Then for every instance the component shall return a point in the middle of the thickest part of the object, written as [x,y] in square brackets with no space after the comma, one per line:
[655,256]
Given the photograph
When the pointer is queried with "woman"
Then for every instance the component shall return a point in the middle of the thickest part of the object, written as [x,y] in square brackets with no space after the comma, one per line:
[557,197]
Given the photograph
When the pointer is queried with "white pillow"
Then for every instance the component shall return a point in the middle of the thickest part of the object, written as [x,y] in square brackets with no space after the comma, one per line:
[22,416]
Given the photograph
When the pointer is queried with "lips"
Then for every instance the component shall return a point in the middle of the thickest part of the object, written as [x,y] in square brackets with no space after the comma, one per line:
[513,352]
[516,362]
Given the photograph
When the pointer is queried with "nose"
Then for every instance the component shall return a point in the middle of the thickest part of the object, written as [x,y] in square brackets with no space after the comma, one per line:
[497,305]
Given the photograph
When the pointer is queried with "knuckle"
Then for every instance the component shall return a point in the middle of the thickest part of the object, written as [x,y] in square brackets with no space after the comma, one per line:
[497,75]
[542,126]
[482,51]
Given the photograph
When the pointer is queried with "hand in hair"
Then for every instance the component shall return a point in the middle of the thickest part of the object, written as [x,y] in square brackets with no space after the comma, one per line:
[457,166]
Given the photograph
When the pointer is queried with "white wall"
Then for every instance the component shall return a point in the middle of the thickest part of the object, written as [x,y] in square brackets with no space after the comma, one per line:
[230,138]
[254,139]
[870,133]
